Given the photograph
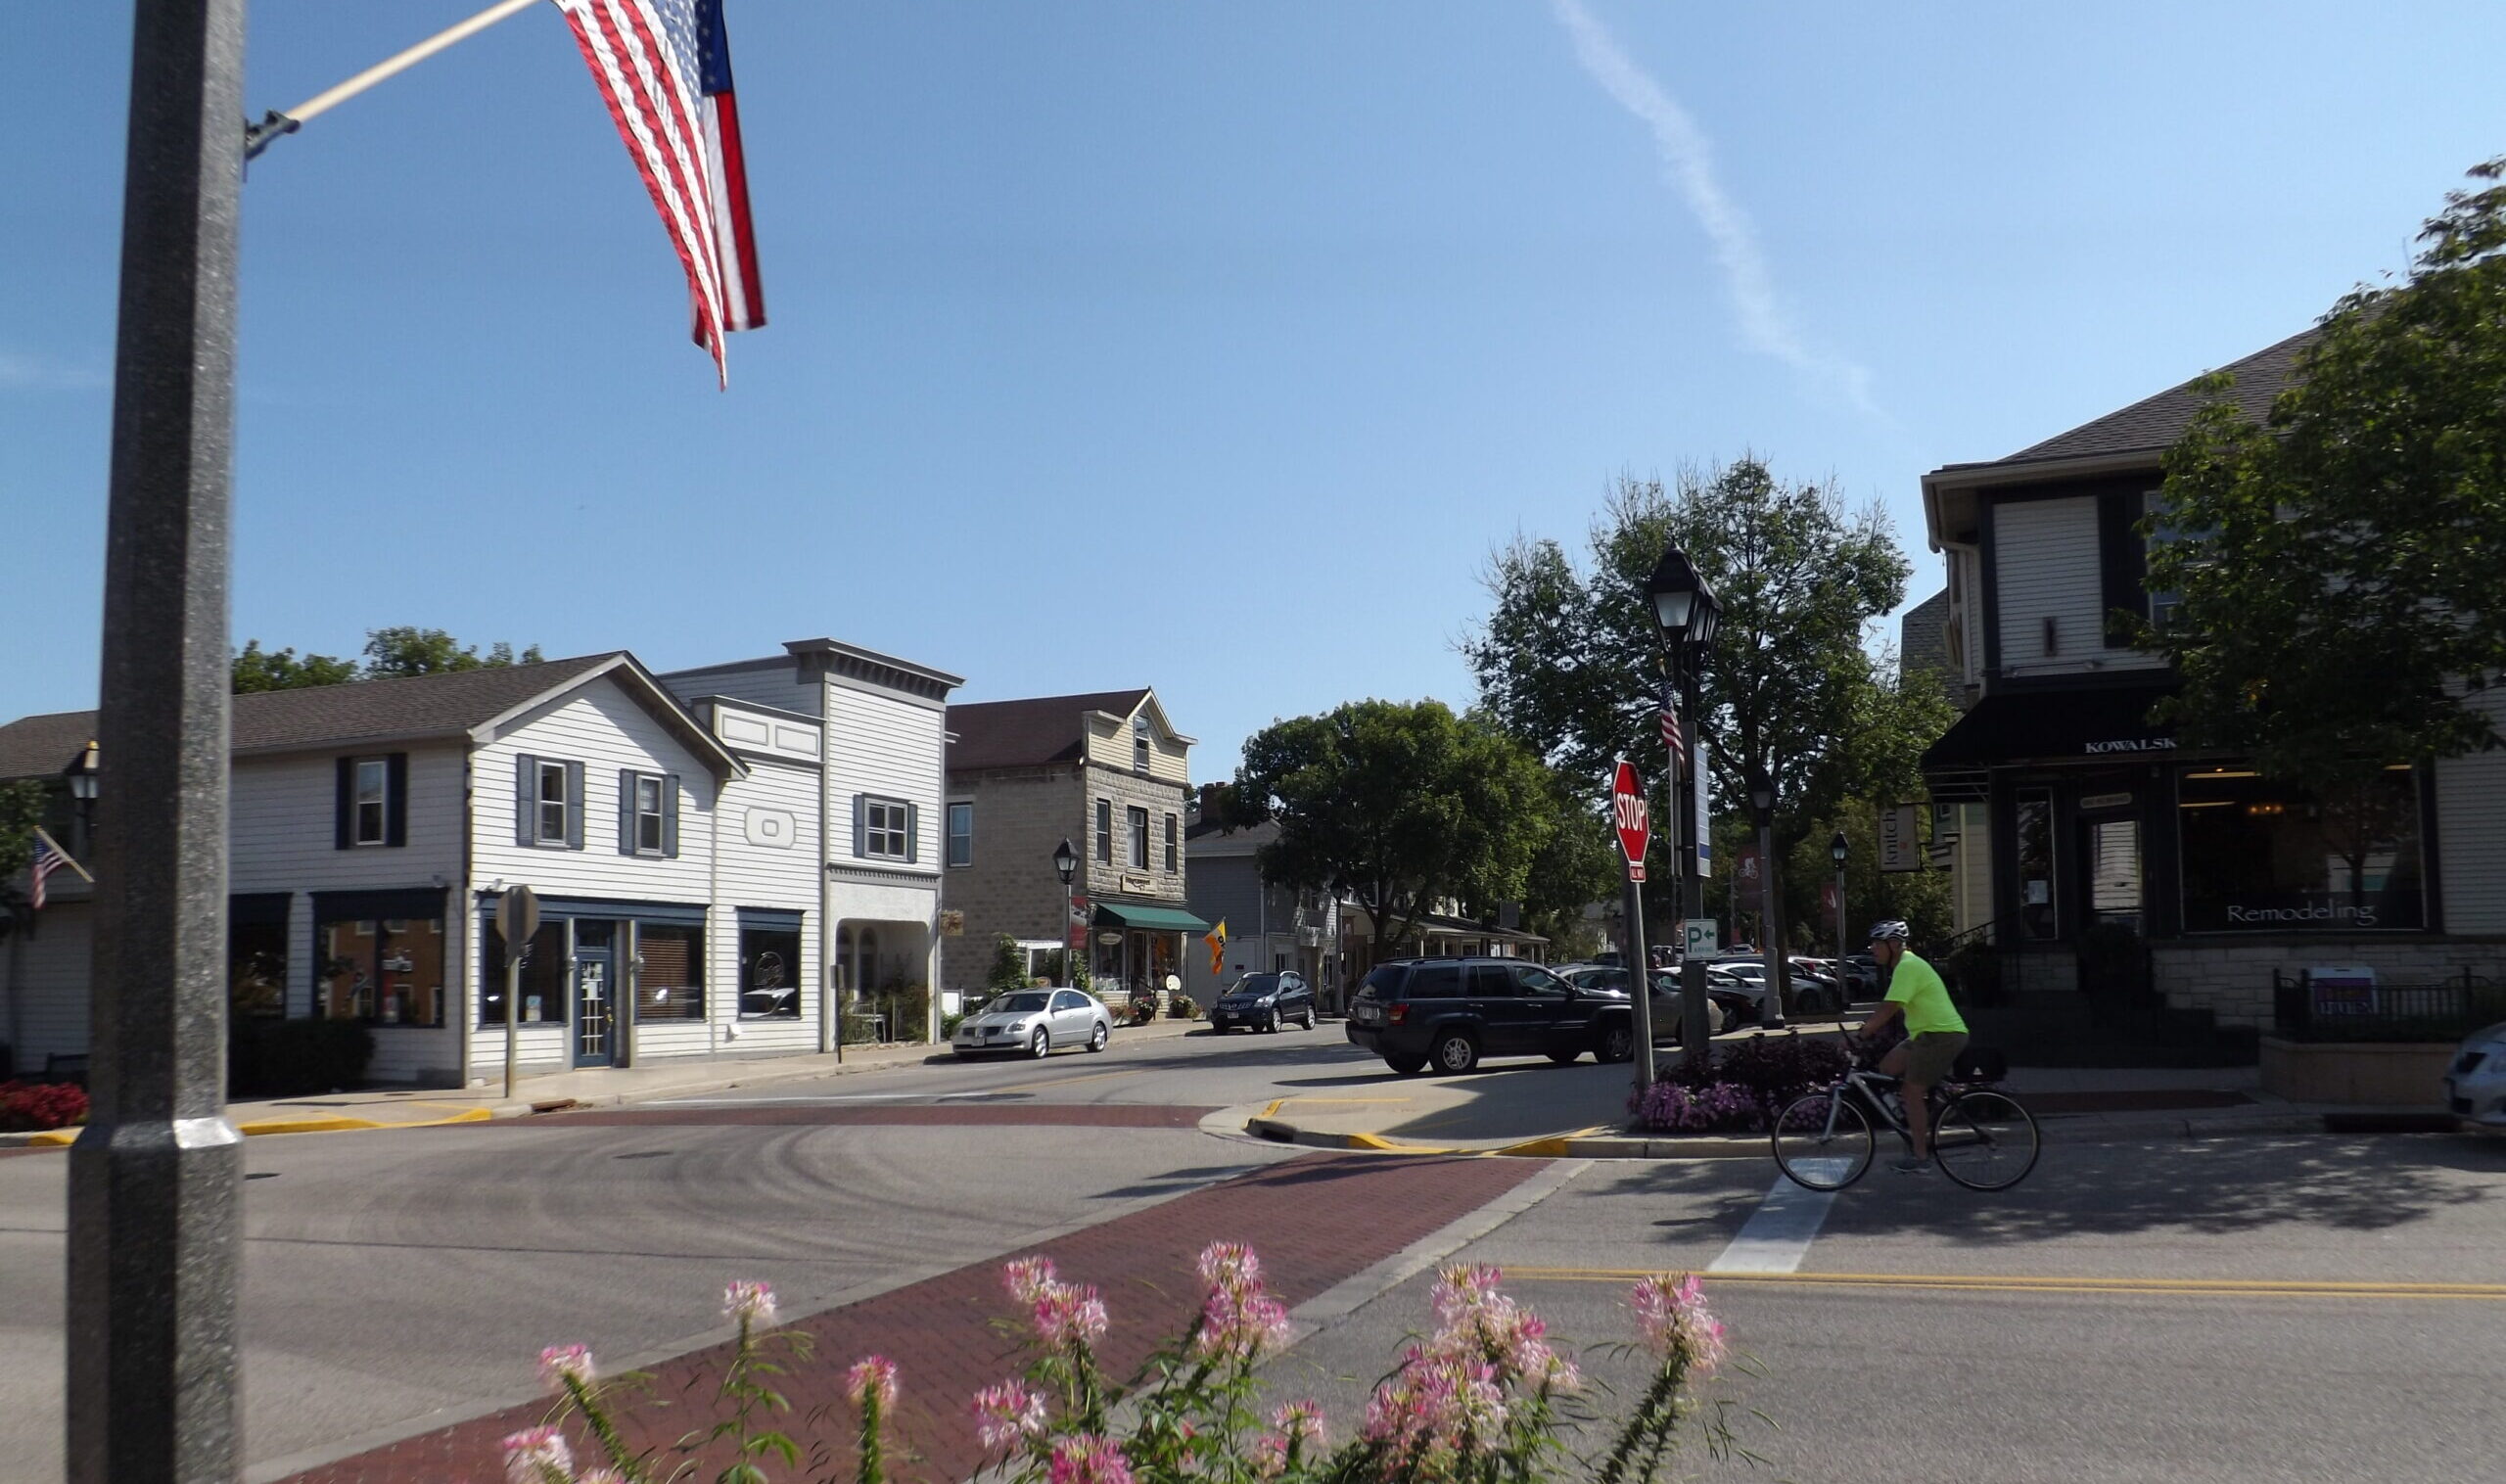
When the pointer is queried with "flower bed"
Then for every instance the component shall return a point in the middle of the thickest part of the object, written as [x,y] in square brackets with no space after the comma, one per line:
[40,1105]
[1742,1087]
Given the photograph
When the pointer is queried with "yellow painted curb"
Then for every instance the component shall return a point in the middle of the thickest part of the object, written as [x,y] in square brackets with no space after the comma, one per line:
[353,1125]
[55,1137]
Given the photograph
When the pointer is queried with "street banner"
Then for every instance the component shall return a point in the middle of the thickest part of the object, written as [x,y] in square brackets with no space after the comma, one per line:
[1901,838]
[1704,811]
[1748,874]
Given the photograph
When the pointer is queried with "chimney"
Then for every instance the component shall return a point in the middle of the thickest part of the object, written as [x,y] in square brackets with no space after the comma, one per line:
[1207,810]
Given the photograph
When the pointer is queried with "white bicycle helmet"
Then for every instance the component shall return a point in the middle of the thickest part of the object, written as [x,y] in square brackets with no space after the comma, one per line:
[1895,929]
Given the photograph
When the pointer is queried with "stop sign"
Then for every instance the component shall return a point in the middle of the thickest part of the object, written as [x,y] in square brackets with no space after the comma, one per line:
[1628,814]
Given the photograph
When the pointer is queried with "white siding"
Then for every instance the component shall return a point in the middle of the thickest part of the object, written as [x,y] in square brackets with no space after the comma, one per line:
[891,747]
[2471,835]
[777,684]
[759,876]
[2046,566]
[46,976]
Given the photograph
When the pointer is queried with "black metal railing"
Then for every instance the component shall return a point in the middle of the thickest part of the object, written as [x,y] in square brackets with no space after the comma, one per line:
[2305,1008]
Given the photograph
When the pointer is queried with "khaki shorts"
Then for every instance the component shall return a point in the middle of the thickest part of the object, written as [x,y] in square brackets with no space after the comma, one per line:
[1930,1055]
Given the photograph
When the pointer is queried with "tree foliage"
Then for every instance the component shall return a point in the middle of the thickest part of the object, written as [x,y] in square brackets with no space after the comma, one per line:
[2340,566]
[389,652]
[1404,803]
[23,804]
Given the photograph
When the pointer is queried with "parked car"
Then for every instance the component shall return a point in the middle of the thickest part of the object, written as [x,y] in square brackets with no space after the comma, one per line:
[1264,1002]
[2475,1078]
[1668,1004]
[1742,1000]
[1035,1023]
[1453,1011]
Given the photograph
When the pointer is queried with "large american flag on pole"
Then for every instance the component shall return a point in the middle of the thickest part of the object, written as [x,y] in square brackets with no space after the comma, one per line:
[663,67]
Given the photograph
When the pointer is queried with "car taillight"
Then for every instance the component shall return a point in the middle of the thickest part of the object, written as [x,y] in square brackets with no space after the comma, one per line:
[1396,1014]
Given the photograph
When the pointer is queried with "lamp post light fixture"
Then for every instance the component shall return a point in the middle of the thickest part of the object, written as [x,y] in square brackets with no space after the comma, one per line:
[1066,861]
[82,773]
[1837,850]
[1686,614]
[1762,805]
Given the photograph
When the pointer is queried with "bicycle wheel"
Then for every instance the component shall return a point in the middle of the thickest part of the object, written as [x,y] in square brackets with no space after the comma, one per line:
[1819,1149]
[1985,1141]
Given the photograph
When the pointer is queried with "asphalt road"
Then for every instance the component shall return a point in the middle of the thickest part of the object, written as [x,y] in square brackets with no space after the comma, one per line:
[399,1278]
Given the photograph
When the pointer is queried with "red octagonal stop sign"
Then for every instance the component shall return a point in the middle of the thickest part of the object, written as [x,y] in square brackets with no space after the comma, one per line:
[1628,814]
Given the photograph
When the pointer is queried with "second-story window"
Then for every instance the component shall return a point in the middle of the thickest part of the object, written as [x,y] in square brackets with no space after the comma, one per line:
[647,814]
[548,802]
[885,828]
[1140,744]
[961,833]
[1105,830]
[373,791]
[372,806]
[1138,820]
[1172,829]
[552,804]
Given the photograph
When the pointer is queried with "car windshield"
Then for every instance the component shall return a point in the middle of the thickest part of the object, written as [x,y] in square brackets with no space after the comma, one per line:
[1257,984]
[1018,1004]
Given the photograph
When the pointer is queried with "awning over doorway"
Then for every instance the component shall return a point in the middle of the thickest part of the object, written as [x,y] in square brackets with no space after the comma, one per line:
[2090,724]
[1155,919]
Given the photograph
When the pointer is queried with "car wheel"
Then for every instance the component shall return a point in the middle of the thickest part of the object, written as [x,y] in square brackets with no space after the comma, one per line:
[1271,1024]
[1098,1038]
[1454,1052]
[1407,1066]
[1309,1017]
[1041,1045]
[1617,1043]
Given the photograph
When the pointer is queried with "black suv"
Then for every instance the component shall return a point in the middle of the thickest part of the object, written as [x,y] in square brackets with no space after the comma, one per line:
[1264,1002]
[1452,1011]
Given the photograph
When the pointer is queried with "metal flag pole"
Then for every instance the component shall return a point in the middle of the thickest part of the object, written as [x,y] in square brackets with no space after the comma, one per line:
[277,121]
[152,1177]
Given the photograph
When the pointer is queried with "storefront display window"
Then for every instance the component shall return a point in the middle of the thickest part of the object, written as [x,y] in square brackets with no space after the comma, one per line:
[257,957]
[543,977]
[2038,916]
[2263,858]
[669,974]
[386,971]
[770,974]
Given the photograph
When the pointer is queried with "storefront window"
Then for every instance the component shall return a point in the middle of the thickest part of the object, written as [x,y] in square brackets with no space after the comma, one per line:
[543,977]
[670,978]
[256,961]
[386,971]
[770,974]
[2038,916]
[2263,858]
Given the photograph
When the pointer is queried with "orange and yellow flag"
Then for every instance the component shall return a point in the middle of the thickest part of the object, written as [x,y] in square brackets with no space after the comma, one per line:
[1216,937]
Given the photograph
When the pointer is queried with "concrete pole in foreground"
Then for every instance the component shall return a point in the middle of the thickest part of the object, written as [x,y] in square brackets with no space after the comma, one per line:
[153,1179]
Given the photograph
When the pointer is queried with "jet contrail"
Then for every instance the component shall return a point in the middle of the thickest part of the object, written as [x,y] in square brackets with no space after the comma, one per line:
[1688,158]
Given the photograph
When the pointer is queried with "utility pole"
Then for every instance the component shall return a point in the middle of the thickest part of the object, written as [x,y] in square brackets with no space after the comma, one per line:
[153,1357]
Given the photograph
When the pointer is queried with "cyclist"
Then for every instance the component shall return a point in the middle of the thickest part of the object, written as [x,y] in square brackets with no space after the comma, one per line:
[1936,1032]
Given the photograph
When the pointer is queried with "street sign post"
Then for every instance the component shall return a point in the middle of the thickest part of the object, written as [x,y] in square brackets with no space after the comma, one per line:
[517,921]
[1628,815]
[1704,938]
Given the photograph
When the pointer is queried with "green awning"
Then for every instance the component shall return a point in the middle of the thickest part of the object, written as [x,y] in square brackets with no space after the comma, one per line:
[1155,919]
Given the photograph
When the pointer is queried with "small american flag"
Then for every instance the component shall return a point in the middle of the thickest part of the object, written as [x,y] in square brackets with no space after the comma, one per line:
[1671,737]
[663,67]
[49,858]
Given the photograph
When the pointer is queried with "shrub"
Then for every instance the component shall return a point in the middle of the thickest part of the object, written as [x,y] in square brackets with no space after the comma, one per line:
[1181,1007]
[1142,1010]
[1008,965]
[948,1026]
[288,1058]
[1485,1399]
[1743,1086]
[34,1107]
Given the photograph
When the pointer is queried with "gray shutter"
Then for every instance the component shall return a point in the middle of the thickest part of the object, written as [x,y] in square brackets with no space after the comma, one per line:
[525,800]
[344,807]
[626,811]
[395,800]
[912,833]
[860,825]
[670,815]
[574,806]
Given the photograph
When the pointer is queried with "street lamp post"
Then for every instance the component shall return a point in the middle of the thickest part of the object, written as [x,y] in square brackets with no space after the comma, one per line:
[153,1236]
[82,773]
[1762,805]
[1066,861]
[1837,850]
[1685,610]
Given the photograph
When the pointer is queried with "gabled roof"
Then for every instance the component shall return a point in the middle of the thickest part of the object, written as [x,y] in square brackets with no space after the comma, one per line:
[1032,733]
[2156,422]
[408,709]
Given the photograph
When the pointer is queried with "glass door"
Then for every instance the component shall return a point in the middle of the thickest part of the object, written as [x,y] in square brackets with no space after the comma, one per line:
[2113,871]
[595,997]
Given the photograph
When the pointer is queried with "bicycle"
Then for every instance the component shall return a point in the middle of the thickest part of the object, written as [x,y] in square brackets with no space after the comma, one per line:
[1983,1137]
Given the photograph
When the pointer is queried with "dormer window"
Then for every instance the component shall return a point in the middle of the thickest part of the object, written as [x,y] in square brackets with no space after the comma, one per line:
[1140,744]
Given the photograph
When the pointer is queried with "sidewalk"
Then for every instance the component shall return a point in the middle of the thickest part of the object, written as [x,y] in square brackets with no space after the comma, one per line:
[591,1088]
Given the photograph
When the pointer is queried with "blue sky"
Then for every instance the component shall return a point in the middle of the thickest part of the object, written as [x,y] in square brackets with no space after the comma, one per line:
[1204,347]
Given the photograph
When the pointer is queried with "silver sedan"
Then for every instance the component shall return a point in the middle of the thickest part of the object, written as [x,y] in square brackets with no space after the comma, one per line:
[1035,1023]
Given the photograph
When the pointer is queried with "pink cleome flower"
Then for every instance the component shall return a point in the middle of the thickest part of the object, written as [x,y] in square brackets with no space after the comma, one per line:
[1241,1321]
[1008,1411]
[1671,1314]
[1067,1316]
[538,1455]
[1231,1265]
[1028,1278]
[560,1364]
[1084,1459]
[748,1301]
[1300,1421]
[873,1376]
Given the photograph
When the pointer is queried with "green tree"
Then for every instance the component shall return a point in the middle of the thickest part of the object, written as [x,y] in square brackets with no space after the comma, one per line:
[23,804]
[2337,567]
[1404,803]
[1568,659]
[257,669]
[1008,965]
[408,651]
[1578,865]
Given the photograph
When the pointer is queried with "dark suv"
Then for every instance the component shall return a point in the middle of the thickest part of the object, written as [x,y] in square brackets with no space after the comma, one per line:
[1264,1002]
[1452,1011]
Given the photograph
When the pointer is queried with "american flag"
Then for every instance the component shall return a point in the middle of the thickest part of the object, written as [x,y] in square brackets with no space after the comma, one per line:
[49,858]
[663,67]
[1671,737]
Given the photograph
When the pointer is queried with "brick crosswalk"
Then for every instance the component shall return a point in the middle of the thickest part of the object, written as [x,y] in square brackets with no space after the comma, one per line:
[1315,1221]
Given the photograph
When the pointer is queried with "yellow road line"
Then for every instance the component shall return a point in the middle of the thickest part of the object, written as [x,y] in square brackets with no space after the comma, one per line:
[2015,1284]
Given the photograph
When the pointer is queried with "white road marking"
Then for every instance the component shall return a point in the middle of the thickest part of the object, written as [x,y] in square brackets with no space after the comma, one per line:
[1780,1232]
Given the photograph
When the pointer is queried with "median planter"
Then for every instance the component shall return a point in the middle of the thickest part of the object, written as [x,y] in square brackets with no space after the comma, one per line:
[2373,1073]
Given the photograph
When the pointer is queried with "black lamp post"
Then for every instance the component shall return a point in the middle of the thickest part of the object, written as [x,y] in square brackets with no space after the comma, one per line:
[82,773]
[1837,850]
[1066,861]
[1762,805]
[1687,613]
